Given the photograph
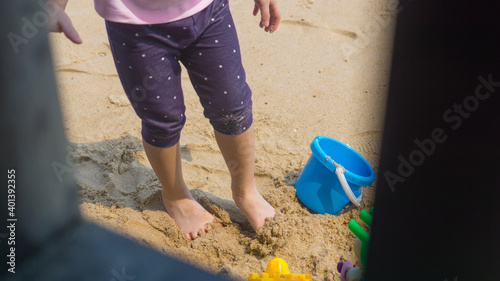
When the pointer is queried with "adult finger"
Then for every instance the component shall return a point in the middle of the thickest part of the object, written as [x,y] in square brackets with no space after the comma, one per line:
[69,30]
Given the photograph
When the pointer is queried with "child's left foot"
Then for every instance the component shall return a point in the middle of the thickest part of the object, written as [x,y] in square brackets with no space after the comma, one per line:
[255,208]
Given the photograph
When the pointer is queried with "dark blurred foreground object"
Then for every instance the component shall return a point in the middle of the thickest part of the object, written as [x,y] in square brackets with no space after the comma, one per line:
[52,242]
[437,208]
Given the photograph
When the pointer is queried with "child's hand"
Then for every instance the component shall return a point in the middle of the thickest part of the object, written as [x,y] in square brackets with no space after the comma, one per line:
[60,22]
[270,14]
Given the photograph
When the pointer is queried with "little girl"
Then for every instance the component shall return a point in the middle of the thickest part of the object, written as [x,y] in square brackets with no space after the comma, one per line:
[148,39]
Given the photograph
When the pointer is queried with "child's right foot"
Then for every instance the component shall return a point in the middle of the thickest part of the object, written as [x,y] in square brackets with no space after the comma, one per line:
[190,216]
[255,208]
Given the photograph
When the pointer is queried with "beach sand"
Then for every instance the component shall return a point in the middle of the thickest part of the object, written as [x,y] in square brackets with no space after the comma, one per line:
[324,72]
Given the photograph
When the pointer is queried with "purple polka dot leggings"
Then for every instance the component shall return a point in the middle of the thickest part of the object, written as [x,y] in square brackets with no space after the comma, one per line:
[147,61]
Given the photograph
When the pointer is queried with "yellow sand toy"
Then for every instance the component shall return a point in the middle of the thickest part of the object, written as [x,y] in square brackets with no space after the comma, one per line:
[277,270]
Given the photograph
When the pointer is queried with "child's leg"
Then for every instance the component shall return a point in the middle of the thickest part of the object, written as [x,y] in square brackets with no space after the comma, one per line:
[147,63]
[189,215]
[214,65]
[239,154]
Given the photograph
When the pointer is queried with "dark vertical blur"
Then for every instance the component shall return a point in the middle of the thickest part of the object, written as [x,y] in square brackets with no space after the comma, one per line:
[32,136]
[437,208]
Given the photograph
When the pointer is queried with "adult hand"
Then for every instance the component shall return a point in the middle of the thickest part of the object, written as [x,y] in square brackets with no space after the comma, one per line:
[270,14]
[61,22]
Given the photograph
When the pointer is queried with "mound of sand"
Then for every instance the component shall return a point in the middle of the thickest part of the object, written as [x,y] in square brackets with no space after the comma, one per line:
[121,193]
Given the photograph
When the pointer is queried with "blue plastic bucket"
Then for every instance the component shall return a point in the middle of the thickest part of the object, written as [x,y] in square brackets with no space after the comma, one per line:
[322,187]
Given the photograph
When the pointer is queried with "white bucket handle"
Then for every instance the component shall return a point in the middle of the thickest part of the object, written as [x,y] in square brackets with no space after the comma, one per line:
[339,170]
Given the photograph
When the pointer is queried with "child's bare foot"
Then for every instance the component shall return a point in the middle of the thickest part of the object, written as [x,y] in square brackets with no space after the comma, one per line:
[190,216]
[255,208]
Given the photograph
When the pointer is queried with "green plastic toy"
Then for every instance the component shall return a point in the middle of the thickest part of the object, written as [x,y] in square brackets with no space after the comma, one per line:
[362,235]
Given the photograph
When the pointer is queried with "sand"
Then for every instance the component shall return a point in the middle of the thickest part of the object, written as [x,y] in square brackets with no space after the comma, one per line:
[324,72]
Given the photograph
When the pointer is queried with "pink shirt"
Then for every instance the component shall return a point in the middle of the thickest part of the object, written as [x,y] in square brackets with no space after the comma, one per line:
[148,11]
